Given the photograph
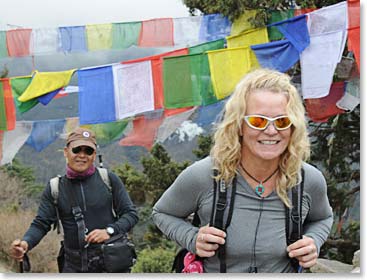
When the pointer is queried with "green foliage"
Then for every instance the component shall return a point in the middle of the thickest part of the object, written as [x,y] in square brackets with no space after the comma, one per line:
[145,188]
[336,149]
[26,175]
[16,169]
[160,172]
[158,260]
[235,8]
[205,143]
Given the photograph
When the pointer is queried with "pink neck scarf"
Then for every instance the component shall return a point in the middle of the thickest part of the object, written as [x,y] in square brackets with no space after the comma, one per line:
[71,174]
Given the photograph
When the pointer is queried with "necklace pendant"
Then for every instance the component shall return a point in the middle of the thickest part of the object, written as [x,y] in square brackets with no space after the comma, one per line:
[259,189]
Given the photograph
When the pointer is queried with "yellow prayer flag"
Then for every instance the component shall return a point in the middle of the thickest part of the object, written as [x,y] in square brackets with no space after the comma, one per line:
[242,23]
[45,82]
[99,36]
[248,38]
[227,67]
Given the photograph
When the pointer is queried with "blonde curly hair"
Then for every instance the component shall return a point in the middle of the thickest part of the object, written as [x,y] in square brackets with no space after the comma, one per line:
[226,151]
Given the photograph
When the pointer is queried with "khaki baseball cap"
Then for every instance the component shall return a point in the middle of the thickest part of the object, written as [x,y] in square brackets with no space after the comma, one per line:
[82,137]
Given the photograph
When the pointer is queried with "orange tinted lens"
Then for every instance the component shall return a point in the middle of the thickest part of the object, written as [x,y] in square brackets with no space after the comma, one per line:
[258,122]
[282,122]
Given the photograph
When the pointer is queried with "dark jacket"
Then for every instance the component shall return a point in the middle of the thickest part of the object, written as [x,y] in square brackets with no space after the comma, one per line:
[94,199]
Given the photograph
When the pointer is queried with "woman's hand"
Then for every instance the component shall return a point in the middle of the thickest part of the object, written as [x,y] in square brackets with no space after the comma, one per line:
[305,251]
[208,240]
[97,236]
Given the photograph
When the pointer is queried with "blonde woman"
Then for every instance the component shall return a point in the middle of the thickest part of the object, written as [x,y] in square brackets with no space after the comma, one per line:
[262,140]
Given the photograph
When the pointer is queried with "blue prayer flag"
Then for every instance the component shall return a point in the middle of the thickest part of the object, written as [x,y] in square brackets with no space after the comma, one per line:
[44,133]
[296,31]
[96,95]
[46,98]
[278,55]
[73,39]
[213,27]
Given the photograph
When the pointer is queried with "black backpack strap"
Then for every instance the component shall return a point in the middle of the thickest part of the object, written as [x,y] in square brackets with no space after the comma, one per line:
[219,209]
[79,219]
[294,227]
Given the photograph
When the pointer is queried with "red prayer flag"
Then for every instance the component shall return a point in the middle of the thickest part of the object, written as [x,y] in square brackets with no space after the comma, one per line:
[354,30]
[9,104]
[143,133]
[354,13]
[299,12]
[17,42]
[321,109]
[156,33]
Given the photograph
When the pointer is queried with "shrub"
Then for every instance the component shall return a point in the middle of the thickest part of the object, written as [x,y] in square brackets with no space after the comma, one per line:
[157,260]
[12,226]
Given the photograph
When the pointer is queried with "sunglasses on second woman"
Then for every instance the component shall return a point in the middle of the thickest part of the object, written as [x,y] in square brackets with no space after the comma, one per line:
[260,122]
[87,150]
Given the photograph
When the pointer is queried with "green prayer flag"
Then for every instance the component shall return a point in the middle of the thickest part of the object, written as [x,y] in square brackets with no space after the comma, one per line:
[3,122]
[125,35]
[18,86]
[209,46]
[106,133]
[187,81]
[3,48]
[206,90]
[275,16]
[179,82]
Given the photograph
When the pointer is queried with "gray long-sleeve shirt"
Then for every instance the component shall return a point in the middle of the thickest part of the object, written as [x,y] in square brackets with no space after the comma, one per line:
[193,191]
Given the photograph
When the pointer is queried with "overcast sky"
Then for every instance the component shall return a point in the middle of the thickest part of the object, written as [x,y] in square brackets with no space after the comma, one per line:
[53,13]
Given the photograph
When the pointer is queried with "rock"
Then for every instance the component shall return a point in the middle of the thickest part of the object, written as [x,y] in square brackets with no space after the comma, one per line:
[330,266]
[356,270]
[356,259]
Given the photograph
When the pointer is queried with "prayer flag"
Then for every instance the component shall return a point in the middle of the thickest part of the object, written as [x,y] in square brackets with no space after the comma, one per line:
[295,30]
[227,67]
[214,27]
[278,55]
[134,92]
[157,70]
[44,41]
[18,86]
[186,30]
[3,48]
[318,63]
[208,46]
[73,39]
[330,19]
[182,81]
[96,95]
[143,133]
[248,38]
[18,41]
[156,33]
[125,34]
[7,108]
[44,133]
[45,82]
[13,140]
[277,16]
[107,133]
[99,36]
[321,109]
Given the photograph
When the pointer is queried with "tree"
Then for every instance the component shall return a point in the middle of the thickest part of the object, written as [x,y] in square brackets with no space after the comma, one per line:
[235,8]
[336,150]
